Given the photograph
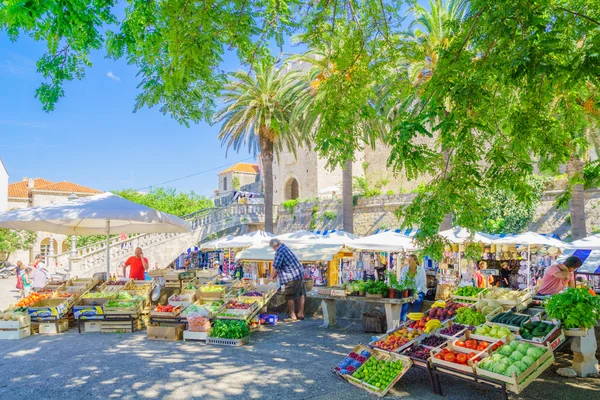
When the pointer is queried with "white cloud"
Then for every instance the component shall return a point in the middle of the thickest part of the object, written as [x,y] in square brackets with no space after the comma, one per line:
[113,76]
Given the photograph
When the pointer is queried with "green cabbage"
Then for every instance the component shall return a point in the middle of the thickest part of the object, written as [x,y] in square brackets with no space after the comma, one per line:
[497,357]
[499,368]
[506,350]
[527,360]
[514,345]
[521,365]
[505,361]
[535,352]
[522,348]
[516,356]
[513,368]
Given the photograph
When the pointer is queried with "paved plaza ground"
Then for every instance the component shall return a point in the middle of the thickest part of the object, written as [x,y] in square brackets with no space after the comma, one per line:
[287,361]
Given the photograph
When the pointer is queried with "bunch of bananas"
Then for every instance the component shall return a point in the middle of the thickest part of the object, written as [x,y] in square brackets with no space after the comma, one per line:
[432,325]
[439,303]
[415,316]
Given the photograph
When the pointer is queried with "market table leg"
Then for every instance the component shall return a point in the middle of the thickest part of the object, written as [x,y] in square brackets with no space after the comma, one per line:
[329,311]
[392,315]
[584,355]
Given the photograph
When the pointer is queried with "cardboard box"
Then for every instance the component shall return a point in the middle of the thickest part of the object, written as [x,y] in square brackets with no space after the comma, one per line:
[21,322]
[92,326]
[48,308]
[189,335]
[89,308]
[165,332]
[50,328]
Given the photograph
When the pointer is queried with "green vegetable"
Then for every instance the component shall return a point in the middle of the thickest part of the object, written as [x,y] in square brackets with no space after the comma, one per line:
[575,308]
[229,329]
[376,287]
[468,316]
[467,291]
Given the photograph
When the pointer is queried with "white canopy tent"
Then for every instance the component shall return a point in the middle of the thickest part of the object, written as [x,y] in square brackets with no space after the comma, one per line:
[214,244]
[384,241]
[588,243]
[337,238]
[462,235]
[246,240]
[100,214]
[590,258]
[529,239]
[298,236]
[305,252]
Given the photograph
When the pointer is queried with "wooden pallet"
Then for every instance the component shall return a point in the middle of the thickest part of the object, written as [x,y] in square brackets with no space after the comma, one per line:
[108,326]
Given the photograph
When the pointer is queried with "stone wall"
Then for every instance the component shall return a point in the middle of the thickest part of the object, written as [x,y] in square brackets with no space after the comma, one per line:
[377,213]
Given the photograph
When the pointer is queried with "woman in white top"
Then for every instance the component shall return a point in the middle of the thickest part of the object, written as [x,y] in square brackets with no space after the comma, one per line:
[416,272]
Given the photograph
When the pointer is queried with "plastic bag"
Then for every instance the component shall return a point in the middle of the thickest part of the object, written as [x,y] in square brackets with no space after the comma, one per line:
[198,323]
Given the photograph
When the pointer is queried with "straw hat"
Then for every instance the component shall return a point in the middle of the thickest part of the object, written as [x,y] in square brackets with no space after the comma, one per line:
[504,247]
[447,248]
[506,255]
[512,247]
[521,248]
[455,247]
[492,248]
[514,255]
[542,251]
[462,247]
[553,250]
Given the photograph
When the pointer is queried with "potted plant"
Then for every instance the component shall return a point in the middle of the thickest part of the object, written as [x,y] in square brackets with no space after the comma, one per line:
[393,285]
[410,285]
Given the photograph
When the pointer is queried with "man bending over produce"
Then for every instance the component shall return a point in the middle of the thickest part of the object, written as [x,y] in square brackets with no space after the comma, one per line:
[559,276]
[291,274]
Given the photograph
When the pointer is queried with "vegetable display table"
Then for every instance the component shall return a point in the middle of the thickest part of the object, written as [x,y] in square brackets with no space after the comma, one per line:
[392,307]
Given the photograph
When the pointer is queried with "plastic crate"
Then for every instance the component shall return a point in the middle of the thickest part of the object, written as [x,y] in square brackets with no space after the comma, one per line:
[228,342]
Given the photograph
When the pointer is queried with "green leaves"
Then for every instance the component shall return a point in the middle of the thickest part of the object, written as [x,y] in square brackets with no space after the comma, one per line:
[575,308]
[13,240]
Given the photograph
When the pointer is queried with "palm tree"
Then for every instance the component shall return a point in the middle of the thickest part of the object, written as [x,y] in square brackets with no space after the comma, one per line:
[430,31]
[257,110]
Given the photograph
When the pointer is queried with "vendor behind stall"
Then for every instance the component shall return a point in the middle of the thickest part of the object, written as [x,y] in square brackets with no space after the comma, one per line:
[417,273]
[559,276]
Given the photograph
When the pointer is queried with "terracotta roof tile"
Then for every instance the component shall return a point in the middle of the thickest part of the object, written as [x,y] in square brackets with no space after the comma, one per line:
[67,187]
[19,189]
[242,167]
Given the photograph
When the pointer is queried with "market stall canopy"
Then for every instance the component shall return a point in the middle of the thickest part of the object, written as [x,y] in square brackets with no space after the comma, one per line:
[247,240]
[337,237]
[462,235]
[590,258]
[588,243]
[298,236]
[89,215]
[385,241]
[528,238]
[214,244]
[304,252]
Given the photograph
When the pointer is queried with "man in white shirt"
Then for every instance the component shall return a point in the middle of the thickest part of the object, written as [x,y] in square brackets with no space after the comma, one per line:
[40,273]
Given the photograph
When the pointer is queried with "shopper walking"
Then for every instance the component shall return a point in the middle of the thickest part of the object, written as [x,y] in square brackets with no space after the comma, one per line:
[39,278]
[26,277]
[19,271]
[415,272]
[290,273]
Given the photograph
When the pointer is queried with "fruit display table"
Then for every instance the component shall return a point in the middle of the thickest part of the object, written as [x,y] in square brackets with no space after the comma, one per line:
[392,307]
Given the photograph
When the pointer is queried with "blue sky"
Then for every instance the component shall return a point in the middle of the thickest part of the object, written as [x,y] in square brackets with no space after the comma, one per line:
[93,138]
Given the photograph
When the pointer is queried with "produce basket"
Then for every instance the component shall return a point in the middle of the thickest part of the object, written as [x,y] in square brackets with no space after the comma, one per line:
[181,300]
[576,332]
[370,384]
[549,337]
[517,383]
[487,338]
[353,361]
[397,340]
[510,298]
[207,273]
[158,272]
[419,341]
[468,299]
[166,314]
[374,321]
[48,309]
[461,329]
[469,367]
[115,307]
[508,318]
[228,342]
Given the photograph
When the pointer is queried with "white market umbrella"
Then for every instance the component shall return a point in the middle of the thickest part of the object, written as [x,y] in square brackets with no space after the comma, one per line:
[337,238]
[529,238]
[298,236]
[462,235]
[246,240]
[100,214]
[214,244]
[590,259]
[303,251]
[391,242]
[588,243]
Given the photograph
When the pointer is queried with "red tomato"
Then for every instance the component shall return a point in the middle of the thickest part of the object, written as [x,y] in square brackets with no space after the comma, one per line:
[449,357]
[461,358]
[460,343]
[444,350]
[471,355]
[482,346]
[439,356]
[471,344]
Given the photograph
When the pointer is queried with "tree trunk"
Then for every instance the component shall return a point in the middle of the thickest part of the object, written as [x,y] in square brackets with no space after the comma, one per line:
[266,148]
[447,221]
[577,202]
[347,200]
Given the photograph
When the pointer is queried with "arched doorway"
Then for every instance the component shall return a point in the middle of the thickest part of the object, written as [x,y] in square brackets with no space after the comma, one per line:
[45,246]
[66,245]
[292,189]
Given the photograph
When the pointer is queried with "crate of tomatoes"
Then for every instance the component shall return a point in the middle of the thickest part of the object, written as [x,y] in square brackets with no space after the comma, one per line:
[457,358]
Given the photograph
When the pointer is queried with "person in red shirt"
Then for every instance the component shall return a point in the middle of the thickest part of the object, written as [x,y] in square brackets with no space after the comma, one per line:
[138,264]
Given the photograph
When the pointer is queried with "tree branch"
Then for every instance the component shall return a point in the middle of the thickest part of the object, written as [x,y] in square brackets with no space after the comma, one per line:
[579,15]
[470,32]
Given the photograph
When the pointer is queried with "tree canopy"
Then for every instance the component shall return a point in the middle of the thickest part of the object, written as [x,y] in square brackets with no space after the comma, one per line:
[167,200]
[13,240]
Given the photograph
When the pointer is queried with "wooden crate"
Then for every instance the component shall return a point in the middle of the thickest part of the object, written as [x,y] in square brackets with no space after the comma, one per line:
[525,298]
[518,383]
[133,311]
[22,321]
[111,326]
[15,334]
[385,356]
[91,326]
[195,336]
[469,368]
[51,328]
